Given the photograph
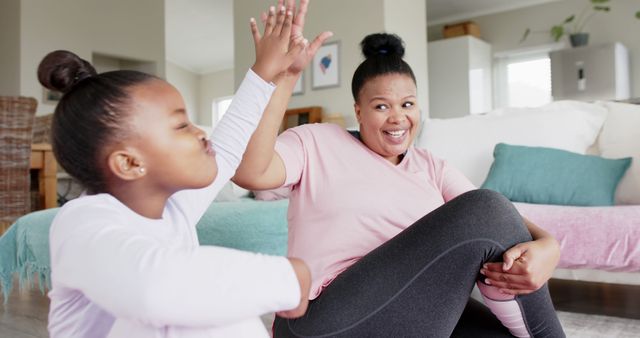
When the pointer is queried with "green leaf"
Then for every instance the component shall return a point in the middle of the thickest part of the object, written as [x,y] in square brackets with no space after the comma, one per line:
[569,19]
[599,1]
[602,8]
[557,32]
[525,35]
[638,15]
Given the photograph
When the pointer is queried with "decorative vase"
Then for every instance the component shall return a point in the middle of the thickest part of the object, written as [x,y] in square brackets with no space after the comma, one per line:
[579,39]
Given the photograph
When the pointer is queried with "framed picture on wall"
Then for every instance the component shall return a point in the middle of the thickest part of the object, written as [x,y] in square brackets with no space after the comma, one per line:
[299,87]
[50,96]
[325,70]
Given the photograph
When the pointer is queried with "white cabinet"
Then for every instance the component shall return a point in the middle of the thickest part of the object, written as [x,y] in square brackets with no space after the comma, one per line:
[599,72]
[459,77]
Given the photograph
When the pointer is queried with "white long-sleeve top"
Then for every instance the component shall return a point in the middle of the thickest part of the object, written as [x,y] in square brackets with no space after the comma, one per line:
[116,273]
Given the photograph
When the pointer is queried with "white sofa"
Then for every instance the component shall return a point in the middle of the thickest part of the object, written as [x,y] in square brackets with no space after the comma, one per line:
[598,243]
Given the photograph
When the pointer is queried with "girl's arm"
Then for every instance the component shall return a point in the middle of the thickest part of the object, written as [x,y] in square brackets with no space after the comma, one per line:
[131,275]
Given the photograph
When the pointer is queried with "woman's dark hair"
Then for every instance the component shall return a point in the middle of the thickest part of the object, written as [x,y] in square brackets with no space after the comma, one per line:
[91,114]
[383,55]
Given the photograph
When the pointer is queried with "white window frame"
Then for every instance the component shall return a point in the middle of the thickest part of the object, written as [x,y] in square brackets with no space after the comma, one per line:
[504,58]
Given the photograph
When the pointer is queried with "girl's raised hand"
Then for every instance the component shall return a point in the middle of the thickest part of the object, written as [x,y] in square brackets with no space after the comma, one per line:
[275,50]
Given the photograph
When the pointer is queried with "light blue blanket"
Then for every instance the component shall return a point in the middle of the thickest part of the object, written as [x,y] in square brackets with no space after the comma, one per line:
[247,224]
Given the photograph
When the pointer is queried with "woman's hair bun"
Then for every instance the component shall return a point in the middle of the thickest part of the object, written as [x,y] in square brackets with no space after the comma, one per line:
[60,70]
[382,44]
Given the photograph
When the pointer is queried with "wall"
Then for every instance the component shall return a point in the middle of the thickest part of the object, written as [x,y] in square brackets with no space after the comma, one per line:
[346,19]
[504,30]
[10,47]
[408,19]
[187,84]
[131,30]
[212,86]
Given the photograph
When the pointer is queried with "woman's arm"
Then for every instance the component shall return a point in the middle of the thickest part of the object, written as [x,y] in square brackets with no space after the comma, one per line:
[527,266]
[261,167]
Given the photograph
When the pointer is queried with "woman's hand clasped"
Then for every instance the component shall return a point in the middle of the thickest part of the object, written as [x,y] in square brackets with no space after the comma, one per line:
[526,268]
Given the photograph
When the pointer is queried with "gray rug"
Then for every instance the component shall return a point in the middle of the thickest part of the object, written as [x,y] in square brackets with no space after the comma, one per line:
[579,325]
[576,325]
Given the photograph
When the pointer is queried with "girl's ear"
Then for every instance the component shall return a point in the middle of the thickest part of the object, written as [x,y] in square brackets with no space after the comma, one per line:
[126,165]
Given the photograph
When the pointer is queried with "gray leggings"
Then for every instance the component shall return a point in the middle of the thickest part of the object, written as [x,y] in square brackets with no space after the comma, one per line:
[417,284]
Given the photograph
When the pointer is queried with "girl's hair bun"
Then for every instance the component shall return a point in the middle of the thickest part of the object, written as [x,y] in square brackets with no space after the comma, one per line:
[382,44]
[61,70]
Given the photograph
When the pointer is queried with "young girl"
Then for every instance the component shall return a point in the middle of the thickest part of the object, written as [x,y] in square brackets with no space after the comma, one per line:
[125,257]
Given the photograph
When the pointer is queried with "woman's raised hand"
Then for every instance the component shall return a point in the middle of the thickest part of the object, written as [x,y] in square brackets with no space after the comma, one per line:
[276,50]
[297,30]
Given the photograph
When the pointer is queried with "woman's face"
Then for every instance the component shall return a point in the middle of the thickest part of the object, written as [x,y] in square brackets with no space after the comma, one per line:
[388,114]
[176,154]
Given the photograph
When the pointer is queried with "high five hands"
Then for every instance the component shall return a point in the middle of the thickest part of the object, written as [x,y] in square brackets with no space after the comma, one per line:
[297,29]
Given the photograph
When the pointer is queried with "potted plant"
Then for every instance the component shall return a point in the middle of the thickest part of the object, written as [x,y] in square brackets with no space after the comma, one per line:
[574,25]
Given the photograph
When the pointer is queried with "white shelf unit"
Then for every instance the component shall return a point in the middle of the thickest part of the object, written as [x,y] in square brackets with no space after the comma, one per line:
[460,71]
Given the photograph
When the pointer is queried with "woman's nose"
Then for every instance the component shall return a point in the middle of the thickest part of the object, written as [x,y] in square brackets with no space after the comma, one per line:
[396,116]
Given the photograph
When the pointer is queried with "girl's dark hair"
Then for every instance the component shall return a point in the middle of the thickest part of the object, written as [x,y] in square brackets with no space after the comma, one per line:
[383,55]
[91,114]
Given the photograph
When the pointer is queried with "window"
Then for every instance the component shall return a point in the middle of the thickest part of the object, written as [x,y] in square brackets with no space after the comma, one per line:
[523,78]
[219,107]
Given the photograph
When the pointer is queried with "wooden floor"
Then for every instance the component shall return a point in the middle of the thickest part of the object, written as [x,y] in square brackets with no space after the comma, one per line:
[25,314]
[596,298]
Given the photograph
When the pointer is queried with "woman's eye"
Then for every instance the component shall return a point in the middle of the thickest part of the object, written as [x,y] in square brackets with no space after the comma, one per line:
[381,107]
[182,126]
[407,104]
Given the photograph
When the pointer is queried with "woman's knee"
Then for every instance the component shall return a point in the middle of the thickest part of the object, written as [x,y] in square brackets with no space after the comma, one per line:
[493,214]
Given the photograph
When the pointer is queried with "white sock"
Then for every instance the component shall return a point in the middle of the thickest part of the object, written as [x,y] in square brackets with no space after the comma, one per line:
[505,308]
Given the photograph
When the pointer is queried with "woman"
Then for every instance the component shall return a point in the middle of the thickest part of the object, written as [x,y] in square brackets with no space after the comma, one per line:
[379,266]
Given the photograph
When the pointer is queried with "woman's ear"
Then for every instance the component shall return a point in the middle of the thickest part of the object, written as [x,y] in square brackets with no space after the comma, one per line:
[126,165]
[356,108]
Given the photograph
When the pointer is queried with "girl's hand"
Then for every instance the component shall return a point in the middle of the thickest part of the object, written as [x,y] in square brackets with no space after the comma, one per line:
[275,50]
[304,278]
[526,267]
[297,30]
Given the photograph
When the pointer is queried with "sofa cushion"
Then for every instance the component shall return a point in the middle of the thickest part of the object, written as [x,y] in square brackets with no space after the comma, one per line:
[620,137]
[552,176]
[468,142]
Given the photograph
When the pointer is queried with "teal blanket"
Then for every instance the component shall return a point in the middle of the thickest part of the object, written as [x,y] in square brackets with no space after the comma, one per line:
[248,224]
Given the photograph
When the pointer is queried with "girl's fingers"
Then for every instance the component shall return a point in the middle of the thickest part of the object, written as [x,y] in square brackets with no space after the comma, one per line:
[254,30]
[280,19]
[270,22]
[286,26]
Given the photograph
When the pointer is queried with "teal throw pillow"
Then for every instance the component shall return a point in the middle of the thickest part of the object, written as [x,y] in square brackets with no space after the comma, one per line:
[553,176]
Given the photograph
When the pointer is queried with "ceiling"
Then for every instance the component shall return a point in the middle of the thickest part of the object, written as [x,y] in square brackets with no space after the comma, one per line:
[199,33]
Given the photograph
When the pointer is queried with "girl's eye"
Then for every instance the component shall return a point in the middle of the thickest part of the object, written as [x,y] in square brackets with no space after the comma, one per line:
[182,126]
[407,104]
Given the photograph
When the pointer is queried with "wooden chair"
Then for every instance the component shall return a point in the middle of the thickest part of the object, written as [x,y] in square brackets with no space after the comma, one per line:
[300,116]
[16,123]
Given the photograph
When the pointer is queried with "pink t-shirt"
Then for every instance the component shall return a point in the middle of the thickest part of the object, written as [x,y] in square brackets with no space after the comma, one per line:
[347,200]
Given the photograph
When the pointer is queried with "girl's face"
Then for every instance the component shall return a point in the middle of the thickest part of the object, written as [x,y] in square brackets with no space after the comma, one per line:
[388,114]
[176,155]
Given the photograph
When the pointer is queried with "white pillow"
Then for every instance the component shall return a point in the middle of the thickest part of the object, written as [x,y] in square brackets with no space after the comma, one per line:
[468,142]
[620,137]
